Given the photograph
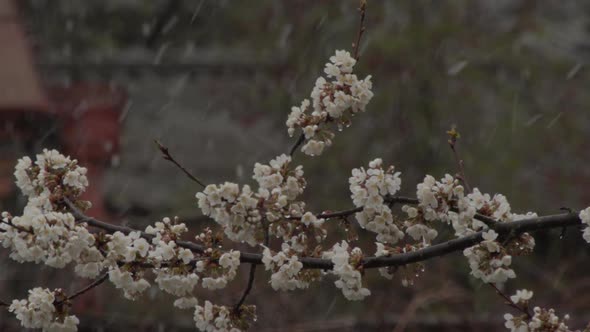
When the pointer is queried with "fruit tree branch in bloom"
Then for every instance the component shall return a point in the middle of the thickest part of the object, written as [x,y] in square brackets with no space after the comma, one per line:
[514,228]
[510,302]
[53,228]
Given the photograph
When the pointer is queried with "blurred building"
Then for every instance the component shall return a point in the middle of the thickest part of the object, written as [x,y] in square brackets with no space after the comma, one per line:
[24,108]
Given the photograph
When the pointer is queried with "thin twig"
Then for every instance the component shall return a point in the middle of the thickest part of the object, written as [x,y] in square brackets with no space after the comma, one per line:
[252,274]
[509,301]
[251,278]
[297,144]
[94,284]
[356,45]
[3,303]
[17,227]
[453,136]
[167,156]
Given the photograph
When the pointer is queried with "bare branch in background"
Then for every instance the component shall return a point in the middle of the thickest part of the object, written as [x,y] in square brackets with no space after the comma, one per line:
[453,137]
[167,156]
[356,45]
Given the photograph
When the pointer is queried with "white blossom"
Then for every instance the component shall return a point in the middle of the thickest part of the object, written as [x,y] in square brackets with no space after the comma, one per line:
[214,318]
[243,213]
[38,311]
[489,264]
[309,219]
[541,320]
[186,302]
[131,283]
[287,269]
[332,101]
[45,236]
[228,266]
[369,189]
[585,218]
[350,279]
[42,234]
[313,147]
[521,296]
[515,324]
[175,283]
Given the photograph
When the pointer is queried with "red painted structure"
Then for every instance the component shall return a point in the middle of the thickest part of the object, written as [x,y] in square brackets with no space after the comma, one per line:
[90,129]
[87,114]
[23,105]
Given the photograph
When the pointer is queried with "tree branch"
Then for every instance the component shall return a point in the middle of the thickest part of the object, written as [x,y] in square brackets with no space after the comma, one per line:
[297,144]
[167,156]
[81,217]
[503,229]
[252,274]
[441,249]
[94,284]
[251,278]
[509,301]
[453,137]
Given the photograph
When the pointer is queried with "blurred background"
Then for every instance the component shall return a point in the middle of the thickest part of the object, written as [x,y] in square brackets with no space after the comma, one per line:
[215,80]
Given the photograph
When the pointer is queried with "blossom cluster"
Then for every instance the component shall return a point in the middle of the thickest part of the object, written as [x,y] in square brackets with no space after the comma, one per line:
[436,199]
[50,178]
[235,210]
[333,101]
[287,270]
[45,236]
[40,311]
[408,273]
[214,318]
[124,250]
[46,232]
[273,210]
[446,201]
[541,320]
[173,265]
[129,280]
[220,273]
[489,261]
[347,267]
[370,189]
